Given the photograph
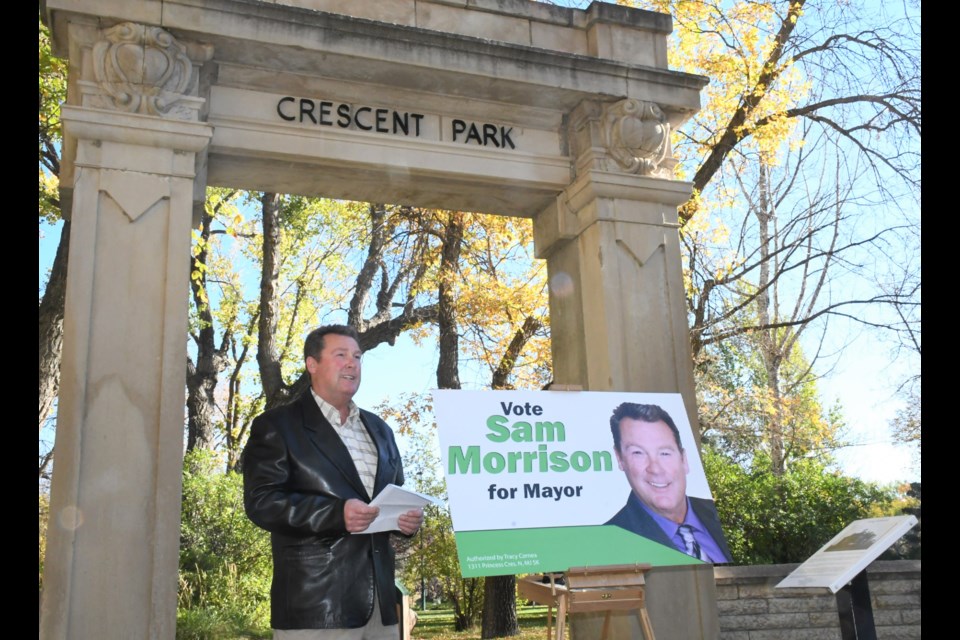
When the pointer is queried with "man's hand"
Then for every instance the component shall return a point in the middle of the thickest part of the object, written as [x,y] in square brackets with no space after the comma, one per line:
[410,521]
[358,515]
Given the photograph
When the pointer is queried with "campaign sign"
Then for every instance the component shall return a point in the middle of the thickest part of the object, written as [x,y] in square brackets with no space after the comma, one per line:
[535,483]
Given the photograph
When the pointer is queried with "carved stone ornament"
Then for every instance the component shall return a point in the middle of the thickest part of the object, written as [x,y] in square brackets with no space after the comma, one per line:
[143,69]
[636,135]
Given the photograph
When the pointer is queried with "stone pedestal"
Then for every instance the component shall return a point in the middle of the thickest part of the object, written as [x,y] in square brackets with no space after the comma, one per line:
[112,554]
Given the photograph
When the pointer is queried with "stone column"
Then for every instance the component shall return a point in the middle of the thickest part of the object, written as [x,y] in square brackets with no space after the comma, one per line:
[617,308]
[133,142]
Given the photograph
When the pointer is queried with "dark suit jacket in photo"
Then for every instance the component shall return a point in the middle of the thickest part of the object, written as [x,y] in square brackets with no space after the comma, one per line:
[633,517]
[297,475]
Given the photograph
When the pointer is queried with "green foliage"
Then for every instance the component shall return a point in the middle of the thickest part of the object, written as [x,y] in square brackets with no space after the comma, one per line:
[431,562]
[906,424]
[770,519]
[52,93]
[908,547]
[225,565]
[743,407]
[440,624]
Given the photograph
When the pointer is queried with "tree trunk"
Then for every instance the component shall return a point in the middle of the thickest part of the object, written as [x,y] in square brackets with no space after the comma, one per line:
[501,374]
[268,361]
[500,607]
[50,315]
[768,313]
[202,376]
[201,382]
[448,371]
[448,365]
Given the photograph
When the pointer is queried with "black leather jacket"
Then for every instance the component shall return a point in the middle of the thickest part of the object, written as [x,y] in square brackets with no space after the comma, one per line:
[297,475]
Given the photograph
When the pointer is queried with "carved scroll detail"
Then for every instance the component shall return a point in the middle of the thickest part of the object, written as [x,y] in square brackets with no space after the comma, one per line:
[636,136]
[144,69]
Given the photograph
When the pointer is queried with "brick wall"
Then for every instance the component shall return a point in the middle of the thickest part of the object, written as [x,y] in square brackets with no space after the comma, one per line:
[751,609]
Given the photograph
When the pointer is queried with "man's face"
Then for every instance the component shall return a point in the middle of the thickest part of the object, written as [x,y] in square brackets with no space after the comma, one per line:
[654,466]
[336,375]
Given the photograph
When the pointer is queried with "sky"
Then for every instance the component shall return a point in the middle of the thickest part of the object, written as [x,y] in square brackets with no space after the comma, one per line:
[864,381]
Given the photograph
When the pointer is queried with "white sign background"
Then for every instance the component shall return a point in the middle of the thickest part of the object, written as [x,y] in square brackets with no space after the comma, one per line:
[598,494]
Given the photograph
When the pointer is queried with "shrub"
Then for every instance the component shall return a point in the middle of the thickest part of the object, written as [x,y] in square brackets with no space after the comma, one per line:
[770,519]
[225,564]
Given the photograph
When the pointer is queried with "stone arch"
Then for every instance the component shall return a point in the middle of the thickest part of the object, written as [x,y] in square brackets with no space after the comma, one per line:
[498,106]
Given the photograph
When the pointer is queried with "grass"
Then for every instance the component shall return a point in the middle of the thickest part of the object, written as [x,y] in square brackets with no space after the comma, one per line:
[434,624]
[438,625]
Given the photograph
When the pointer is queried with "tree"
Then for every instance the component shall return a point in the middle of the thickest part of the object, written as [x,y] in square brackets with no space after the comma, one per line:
[904,282]
[749,416]
[805,167]
[796,253]
[204,369]
[909,546]
[430,561]
[227,248]
[310,256]
[770,518]
[490,310]
[847,68]
[52,92]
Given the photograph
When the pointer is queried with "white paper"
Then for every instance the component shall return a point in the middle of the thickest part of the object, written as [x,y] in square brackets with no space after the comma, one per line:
[393,502]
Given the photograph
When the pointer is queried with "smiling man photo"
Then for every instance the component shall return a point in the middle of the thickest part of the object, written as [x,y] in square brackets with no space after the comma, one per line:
[649,452]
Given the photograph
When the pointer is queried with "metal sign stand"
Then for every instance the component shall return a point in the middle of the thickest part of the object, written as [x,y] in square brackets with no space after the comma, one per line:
[856,612]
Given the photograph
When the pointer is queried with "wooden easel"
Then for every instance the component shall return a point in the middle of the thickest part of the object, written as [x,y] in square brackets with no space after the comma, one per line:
[616,587]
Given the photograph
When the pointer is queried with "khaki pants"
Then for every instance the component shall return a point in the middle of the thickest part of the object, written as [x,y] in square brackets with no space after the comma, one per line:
[373,630]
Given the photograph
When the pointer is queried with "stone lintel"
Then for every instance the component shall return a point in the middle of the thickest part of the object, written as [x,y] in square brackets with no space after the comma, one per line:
[356,165]
[272,36]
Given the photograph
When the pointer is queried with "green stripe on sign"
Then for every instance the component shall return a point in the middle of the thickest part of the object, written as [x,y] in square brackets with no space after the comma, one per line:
[512,551]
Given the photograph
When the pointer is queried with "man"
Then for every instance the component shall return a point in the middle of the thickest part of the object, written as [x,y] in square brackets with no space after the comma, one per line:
[647,444]
[310,469]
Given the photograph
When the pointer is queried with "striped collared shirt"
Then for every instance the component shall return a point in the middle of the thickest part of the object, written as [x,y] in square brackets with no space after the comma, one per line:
[355,437]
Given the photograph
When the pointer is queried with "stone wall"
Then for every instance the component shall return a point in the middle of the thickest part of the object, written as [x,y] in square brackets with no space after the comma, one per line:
[751,609]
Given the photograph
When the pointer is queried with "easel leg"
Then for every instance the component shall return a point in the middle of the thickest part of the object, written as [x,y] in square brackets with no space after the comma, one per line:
[561,617]
[606,627]
[645,623]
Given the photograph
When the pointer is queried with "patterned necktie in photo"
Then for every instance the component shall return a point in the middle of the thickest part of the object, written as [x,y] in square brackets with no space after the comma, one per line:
[693,547]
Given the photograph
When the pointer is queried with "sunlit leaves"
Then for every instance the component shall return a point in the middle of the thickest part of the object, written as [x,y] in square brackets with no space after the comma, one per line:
[740,406]
[731,43]
[500,286]
[52,93]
